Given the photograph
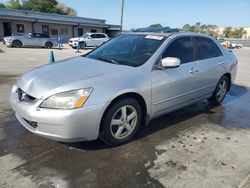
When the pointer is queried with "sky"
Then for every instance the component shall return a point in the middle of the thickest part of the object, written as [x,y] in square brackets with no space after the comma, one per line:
[173,13]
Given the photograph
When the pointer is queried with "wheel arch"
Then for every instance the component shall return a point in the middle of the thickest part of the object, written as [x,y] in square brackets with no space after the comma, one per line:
[47,41]
[137,97]
[18,41]
[228,75]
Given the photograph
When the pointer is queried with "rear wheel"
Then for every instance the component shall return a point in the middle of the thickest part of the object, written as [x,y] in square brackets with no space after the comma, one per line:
[121,122]
[220,91]
[17,44]
[48,45]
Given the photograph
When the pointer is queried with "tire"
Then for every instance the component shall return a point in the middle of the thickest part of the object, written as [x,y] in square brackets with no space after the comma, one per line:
[82,45]
[220,91]
[48,45]
[126,115]
[17,44]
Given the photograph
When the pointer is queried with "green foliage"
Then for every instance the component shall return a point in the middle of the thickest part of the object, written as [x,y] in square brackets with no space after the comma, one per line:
[229,32]
[155,25]
[48,6]
[2,5]
[14,4]
[201,28]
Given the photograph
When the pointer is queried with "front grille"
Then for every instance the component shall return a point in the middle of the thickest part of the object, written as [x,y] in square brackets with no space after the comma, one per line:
[22,96]
[31,123]
[71,41]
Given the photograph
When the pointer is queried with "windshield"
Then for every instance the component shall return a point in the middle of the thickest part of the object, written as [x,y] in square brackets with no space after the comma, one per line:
[85,36]
[132,50]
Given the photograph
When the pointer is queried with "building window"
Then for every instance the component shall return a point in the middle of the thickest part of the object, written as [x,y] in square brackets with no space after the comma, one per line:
[20,28]
[93,31]
[54,32]
[64,31]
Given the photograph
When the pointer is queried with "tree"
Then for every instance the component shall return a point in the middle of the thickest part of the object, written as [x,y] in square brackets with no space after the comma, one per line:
[66,10]
[229,32]
[201,28]
[186,27]
[14,4]
[155,25]
[2,5]
[48,6]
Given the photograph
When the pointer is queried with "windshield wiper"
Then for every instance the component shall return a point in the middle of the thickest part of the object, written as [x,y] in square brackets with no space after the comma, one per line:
[108,60]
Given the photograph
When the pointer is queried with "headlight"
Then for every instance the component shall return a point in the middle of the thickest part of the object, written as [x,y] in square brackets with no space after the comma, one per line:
[75,40]
[8,40]
[67,100]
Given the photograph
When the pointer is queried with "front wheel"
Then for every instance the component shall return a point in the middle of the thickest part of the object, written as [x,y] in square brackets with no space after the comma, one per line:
[121,122]
[220,91]
[82,45]
[17,44]
[48,45]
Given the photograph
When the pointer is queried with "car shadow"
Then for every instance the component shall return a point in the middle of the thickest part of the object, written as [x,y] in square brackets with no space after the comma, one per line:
[169,120]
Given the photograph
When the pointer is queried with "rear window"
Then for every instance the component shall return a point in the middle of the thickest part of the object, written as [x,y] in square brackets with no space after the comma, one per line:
[205,48]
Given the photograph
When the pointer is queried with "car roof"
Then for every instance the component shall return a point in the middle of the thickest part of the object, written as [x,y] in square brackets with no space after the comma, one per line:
[95,33]
[181,33]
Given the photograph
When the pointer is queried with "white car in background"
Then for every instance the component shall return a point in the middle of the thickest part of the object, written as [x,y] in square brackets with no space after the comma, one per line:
[89,40]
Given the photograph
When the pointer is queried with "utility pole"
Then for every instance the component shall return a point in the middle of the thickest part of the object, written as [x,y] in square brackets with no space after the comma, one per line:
[122,8]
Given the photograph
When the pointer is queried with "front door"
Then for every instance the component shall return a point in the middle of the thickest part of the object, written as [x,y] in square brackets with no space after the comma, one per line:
[175,87]
[7,29]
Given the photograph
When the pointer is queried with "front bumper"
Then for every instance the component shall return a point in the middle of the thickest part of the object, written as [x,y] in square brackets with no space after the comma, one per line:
[7,43]
[73,44]
[60,125]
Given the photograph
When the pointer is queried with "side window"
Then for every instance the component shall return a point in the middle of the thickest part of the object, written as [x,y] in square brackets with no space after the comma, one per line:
[205,48]
[181,48]
[101,36]
[93,36]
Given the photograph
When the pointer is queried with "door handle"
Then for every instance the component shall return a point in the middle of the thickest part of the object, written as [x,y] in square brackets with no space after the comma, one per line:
[221,63]
[192,70]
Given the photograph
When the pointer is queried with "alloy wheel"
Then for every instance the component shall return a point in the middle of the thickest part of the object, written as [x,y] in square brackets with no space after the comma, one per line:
[222,90]
[123,122]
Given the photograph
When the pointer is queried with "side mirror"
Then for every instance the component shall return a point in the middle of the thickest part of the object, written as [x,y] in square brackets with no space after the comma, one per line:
[170,62]
[29,36]
[89,37]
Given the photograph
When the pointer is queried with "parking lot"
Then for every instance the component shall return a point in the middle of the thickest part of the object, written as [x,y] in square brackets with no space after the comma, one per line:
[198,146]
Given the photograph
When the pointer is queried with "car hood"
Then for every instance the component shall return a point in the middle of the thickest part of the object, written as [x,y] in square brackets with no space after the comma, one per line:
[76,38]
[64,76]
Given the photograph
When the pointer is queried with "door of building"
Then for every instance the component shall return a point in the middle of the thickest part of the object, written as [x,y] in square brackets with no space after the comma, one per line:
[80,32]
[45,29]
[7,29]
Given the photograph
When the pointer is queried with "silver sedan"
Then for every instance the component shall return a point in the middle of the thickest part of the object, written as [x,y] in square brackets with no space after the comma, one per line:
[30,40]
[123,84]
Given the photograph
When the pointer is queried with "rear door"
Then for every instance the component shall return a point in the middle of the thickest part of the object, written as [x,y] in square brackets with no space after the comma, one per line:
[210,62]
[101,39]
[175,87]
[93,40]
